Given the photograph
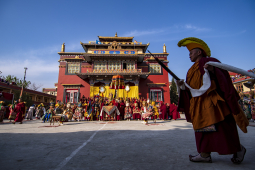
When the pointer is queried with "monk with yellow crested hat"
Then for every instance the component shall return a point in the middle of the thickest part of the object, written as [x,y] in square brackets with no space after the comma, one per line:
[210,103]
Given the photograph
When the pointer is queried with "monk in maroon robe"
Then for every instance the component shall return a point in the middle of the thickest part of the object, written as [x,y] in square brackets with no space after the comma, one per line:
[211,112]
[163,110]
[174,112]
[122,109]
[19,110]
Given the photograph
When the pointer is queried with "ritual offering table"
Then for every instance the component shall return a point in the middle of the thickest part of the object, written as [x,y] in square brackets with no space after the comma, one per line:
[54,118]
[109,113]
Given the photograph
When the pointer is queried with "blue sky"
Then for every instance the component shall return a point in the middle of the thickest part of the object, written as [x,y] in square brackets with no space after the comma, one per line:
[32,31]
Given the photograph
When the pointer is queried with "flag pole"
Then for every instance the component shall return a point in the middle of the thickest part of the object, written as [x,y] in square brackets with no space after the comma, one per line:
[23,82]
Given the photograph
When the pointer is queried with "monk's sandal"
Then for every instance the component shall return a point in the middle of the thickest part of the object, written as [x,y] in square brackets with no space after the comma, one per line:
[199,158]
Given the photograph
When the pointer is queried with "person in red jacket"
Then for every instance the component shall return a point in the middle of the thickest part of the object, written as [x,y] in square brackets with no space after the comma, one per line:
[136,112]
[19,110]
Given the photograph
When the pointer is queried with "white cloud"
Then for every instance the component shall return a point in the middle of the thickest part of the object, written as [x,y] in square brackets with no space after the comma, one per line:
[42,63]
[167,30]
[136,33]
[35,67]
[242,31]
[195,28]
[38,72]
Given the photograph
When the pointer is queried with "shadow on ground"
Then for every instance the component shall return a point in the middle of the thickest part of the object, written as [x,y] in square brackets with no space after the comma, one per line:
[112,148]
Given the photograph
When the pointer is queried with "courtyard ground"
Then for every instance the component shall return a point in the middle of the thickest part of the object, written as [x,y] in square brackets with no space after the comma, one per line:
[118,145]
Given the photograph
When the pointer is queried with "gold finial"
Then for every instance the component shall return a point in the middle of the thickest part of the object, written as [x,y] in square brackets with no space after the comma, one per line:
[80,42]
[63,47]
[116,35]
[148,43]
[164,48]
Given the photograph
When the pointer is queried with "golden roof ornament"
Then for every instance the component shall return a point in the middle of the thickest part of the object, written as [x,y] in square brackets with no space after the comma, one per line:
[164,48]
[116,35]
[63,47]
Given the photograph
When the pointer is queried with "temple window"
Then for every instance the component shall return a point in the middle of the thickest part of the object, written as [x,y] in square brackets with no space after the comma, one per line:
[114,65]
[155,68]
[239,87]
[71,96]
[73,68]
[156,94]
[130,66]
[100,65]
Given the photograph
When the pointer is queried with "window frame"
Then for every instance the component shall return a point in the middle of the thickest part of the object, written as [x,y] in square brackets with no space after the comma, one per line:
[157,90]
[160,68]
[67,64]
[114,64]
[70,95]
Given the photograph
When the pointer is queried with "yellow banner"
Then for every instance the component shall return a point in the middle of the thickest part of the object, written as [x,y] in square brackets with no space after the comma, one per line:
[122,93]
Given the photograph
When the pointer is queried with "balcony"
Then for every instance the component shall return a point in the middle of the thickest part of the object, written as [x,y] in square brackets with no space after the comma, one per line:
[115,71]
[105,73]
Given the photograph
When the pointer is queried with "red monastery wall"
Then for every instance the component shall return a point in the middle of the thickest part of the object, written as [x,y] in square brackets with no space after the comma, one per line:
[71,79]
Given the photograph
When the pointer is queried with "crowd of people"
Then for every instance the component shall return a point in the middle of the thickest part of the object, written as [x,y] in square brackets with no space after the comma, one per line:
[248,105]
[91,108]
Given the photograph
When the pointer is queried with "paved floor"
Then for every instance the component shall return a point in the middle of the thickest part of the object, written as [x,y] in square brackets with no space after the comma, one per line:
[109,145]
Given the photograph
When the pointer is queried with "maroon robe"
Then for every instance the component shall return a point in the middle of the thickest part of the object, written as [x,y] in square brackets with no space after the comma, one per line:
[19,110]
[163,111]
[174,113]
[122,110]
[225,140]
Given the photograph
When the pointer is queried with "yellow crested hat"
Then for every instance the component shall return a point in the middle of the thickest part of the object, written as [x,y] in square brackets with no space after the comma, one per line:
[192,42]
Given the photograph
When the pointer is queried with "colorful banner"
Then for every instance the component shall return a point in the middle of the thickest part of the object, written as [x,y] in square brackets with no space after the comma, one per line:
[113,52]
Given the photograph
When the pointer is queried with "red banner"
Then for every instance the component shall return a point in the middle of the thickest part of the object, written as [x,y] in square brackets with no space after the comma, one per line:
[7,96]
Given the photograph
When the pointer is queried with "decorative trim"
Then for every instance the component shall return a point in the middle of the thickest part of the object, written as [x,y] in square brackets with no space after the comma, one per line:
[156,84]
[71,84]
[152,58]
[62,66]
[86,66]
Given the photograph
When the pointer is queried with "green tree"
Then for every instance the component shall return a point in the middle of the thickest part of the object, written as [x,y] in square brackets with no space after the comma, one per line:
[25,98]
[173,93]
[19,82]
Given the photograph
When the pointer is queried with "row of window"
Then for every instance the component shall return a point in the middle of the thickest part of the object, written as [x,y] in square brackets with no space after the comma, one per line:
[112,65]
